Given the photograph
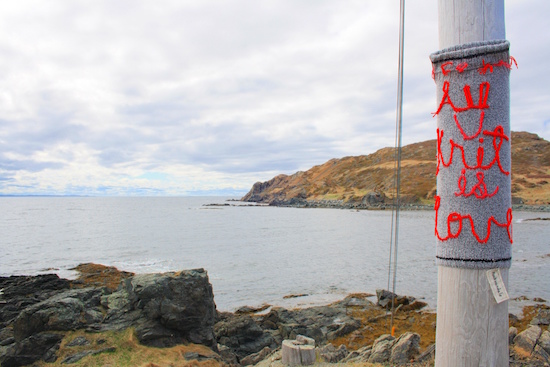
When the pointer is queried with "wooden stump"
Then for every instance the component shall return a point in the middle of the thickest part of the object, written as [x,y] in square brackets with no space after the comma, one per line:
[298,352]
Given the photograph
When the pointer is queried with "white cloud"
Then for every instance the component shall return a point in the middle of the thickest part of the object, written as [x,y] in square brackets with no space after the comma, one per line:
[99,95]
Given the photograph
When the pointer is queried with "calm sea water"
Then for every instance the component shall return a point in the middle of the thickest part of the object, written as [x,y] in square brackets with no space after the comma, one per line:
[253,255]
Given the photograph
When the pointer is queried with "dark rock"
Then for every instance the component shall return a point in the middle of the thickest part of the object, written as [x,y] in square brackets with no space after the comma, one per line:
[290,296]
[256,357]
[250,310]
[415,305]
[359,356]
[525,342]
[321,323]
[154,334]
[540,354]
[344,328]
[27,286]
[19,292]
[165,308]
[381,349]
[512,333]
[196,356]
[78,341]
[405,348]
[539,300]
[61,312]
[181,301]
[544,341]
[386,299]
[373,198]
[331,354]
[542,317]
[227,355]
[31,349]
[361,301]
[426,355]
[6,336]
[78,356]
[73,358]
[243,335]
[7,341]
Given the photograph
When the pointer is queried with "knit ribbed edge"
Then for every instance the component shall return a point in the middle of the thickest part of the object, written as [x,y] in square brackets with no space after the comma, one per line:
[505,263]
[470,50]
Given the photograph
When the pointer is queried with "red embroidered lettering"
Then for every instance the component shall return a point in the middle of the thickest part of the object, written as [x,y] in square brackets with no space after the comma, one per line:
[461,67]
[482,103]
[498,137]
[479,190]
[467,137]
[443,70]
[457,220]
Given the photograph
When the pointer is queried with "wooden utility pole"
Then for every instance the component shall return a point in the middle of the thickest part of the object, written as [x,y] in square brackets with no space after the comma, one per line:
[472,328]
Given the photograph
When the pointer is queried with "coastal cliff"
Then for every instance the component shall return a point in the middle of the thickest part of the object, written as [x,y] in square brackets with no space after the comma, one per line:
[367,181]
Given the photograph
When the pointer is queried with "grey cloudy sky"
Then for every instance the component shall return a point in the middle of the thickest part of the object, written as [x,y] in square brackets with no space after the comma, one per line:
[104,97]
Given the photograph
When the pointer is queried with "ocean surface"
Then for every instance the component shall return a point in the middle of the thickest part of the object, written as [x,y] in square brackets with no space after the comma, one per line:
[253,254]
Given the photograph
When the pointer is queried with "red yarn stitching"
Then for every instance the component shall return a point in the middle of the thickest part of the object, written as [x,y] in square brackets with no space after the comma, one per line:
[485,67]
[455,217]
[443,70]
[479,190]
[482,103]
[466,137]
[513,60]
[489,66]
[498,136]
[461,67]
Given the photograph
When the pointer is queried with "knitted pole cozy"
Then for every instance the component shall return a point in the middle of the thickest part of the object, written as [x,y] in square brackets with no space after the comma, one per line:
[473,211]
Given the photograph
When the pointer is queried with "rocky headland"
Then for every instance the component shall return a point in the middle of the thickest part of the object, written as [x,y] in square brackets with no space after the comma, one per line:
[367,181]
[111,318]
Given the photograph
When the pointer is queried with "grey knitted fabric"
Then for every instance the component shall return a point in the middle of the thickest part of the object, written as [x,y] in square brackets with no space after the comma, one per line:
[473,202]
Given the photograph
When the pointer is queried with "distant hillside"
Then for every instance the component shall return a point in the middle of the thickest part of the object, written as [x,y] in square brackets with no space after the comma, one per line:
[368,179]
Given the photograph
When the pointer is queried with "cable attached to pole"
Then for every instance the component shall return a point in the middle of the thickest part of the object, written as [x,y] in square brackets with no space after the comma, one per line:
[397,173]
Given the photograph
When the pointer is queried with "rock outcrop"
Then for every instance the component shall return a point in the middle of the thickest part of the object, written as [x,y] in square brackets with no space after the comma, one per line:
[532,344]
[165,309]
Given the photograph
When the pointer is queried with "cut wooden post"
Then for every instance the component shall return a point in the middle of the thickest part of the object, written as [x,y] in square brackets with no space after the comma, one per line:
[298,352]
[472,329]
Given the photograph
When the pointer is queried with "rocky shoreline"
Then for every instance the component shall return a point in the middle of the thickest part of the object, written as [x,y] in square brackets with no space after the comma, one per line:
[46,320]
[368,205]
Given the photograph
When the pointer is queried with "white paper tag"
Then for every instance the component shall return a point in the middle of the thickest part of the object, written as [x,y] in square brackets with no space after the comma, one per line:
[497,285]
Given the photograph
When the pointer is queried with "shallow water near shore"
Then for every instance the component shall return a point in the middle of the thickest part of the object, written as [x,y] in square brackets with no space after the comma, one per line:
[253,254]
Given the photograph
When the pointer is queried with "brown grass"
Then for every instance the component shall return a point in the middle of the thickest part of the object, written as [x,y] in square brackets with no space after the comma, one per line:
[129,353]
[374,324]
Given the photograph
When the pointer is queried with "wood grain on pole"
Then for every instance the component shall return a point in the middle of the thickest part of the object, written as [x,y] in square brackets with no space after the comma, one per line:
[464,21]
[472,329]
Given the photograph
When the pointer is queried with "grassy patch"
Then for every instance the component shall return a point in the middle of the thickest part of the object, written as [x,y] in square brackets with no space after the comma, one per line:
[129,352]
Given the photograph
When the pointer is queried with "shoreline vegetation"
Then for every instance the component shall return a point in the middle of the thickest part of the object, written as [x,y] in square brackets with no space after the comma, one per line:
[108,317]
